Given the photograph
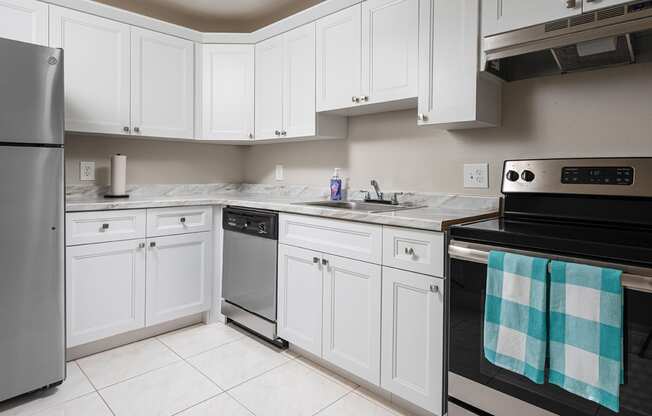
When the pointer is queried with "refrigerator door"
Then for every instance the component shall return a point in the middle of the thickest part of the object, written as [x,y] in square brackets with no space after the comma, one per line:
[31,269]
[31,98]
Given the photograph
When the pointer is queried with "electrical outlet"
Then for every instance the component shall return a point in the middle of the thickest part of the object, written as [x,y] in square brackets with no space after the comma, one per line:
[476,175]
[86,171]
[279,172]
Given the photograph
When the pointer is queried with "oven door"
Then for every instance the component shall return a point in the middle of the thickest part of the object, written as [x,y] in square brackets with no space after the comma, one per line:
[472,374]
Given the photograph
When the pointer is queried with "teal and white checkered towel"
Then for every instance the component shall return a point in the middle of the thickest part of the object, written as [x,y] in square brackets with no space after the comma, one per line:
[515,325]
[586,346]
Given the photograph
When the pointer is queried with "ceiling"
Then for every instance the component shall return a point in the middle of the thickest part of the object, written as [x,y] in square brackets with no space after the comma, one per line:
[215,15]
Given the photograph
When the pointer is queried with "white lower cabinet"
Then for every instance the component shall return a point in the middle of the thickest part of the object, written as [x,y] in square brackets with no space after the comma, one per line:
[178,276]
[300,297]
[105,290]
[351,329]
[413,337]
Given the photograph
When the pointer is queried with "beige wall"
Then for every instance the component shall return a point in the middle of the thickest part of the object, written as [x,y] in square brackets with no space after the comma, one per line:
[155,161]
[599,113]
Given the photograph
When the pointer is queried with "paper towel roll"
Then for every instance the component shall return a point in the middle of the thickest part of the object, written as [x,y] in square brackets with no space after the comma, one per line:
[118,175]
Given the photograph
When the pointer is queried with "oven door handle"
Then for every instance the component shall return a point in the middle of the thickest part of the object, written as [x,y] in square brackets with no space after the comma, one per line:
[634,278]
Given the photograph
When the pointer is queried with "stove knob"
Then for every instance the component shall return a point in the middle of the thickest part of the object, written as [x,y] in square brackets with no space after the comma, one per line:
[527,175]
[512,175]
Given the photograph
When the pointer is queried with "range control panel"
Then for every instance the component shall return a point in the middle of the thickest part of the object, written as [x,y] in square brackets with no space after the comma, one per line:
[589,175]
[629,177]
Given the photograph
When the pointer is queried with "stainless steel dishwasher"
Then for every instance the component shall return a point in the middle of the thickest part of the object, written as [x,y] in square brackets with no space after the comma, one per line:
[249,278]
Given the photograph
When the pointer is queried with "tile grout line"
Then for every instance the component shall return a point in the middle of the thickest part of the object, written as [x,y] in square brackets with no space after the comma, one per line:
[333,403]
[96,391]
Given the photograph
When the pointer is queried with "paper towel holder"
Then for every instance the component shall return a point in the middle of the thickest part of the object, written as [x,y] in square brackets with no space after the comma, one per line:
[122,194]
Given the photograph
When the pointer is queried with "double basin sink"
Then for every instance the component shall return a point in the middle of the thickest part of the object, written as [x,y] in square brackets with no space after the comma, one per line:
[361,206]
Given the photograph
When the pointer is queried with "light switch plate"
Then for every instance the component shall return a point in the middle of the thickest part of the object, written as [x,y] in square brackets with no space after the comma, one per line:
[86,171]
[476,175]
[279,172]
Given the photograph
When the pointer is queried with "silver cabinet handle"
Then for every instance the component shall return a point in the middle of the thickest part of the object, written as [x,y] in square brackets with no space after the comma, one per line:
[364,98]
[422,117]
[141,245]
[355,99]
[182,220]
[152,244]
[125,129]
[251,135]
[137,129]
[277,132]
[105,226]
[315,260]
[324,262]
[409,251]
[434,288]
[284,133]
[570,4]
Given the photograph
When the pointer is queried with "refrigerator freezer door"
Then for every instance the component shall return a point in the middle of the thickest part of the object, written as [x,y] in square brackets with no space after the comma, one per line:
[31,269]
[31,98]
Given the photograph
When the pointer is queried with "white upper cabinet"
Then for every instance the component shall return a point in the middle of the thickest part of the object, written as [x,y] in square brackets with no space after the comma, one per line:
[162,85]
[299,82]
[591,5]
[285,89]
[390,31]
[24,20]
[453,94]
[269,88]
[97,70]
[504,15]
[413,338]
[339,49]
[226,92]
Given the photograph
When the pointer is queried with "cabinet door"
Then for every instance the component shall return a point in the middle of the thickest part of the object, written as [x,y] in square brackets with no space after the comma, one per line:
[162,85]
[352,316]
[413,337]
[269,88]
[178,276]
[339,59]
[97,84]
[300,297]
[299,82]
[390,37]
[591,5]
[504,15]
[227,92]
[24,20]
[105,290]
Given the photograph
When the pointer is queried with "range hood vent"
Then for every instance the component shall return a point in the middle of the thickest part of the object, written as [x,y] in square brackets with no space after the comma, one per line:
[617,35]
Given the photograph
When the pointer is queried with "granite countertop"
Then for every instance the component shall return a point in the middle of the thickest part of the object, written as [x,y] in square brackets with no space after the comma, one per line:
[437,213]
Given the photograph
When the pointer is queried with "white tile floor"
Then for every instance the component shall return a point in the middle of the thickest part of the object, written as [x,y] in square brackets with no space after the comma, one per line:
[205,370]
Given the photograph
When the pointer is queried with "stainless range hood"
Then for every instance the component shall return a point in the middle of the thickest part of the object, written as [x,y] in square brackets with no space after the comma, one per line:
[611,36]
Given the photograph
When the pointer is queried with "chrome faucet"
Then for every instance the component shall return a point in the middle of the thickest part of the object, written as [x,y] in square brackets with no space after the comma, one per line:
[379,194]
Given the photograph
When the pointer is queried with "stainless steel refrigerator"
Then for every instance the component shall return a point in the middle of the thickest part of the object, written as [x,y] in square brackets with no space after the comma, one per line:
[32,325]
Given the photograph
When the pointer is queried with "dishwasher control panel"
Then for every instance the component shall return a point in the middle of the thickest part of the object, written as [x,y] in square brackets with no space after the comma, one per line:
[248,221]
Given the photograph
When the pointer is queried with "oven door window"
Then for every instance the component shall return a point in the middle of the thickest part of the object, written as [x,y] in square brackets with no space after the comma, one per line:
[467,291]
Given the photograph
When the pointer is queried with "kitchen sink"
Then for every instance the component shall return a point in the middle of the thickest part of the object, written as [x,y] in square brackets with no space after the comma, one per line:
[361,206]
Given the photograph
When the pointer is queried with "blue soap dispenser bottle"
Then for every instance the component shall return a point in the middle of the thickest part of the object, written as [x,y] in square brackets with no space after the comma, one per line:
[336,186]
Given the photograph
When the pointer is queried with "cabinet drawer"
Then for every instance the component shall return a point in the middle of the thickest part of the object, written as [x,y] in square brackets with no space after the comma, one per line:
[103,226]
[168,221]
[342,238]
[417,251]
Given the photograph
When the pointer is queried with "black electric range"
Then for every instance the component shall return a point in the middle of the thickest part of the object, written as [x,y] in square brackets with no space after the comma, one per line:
[589,211]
